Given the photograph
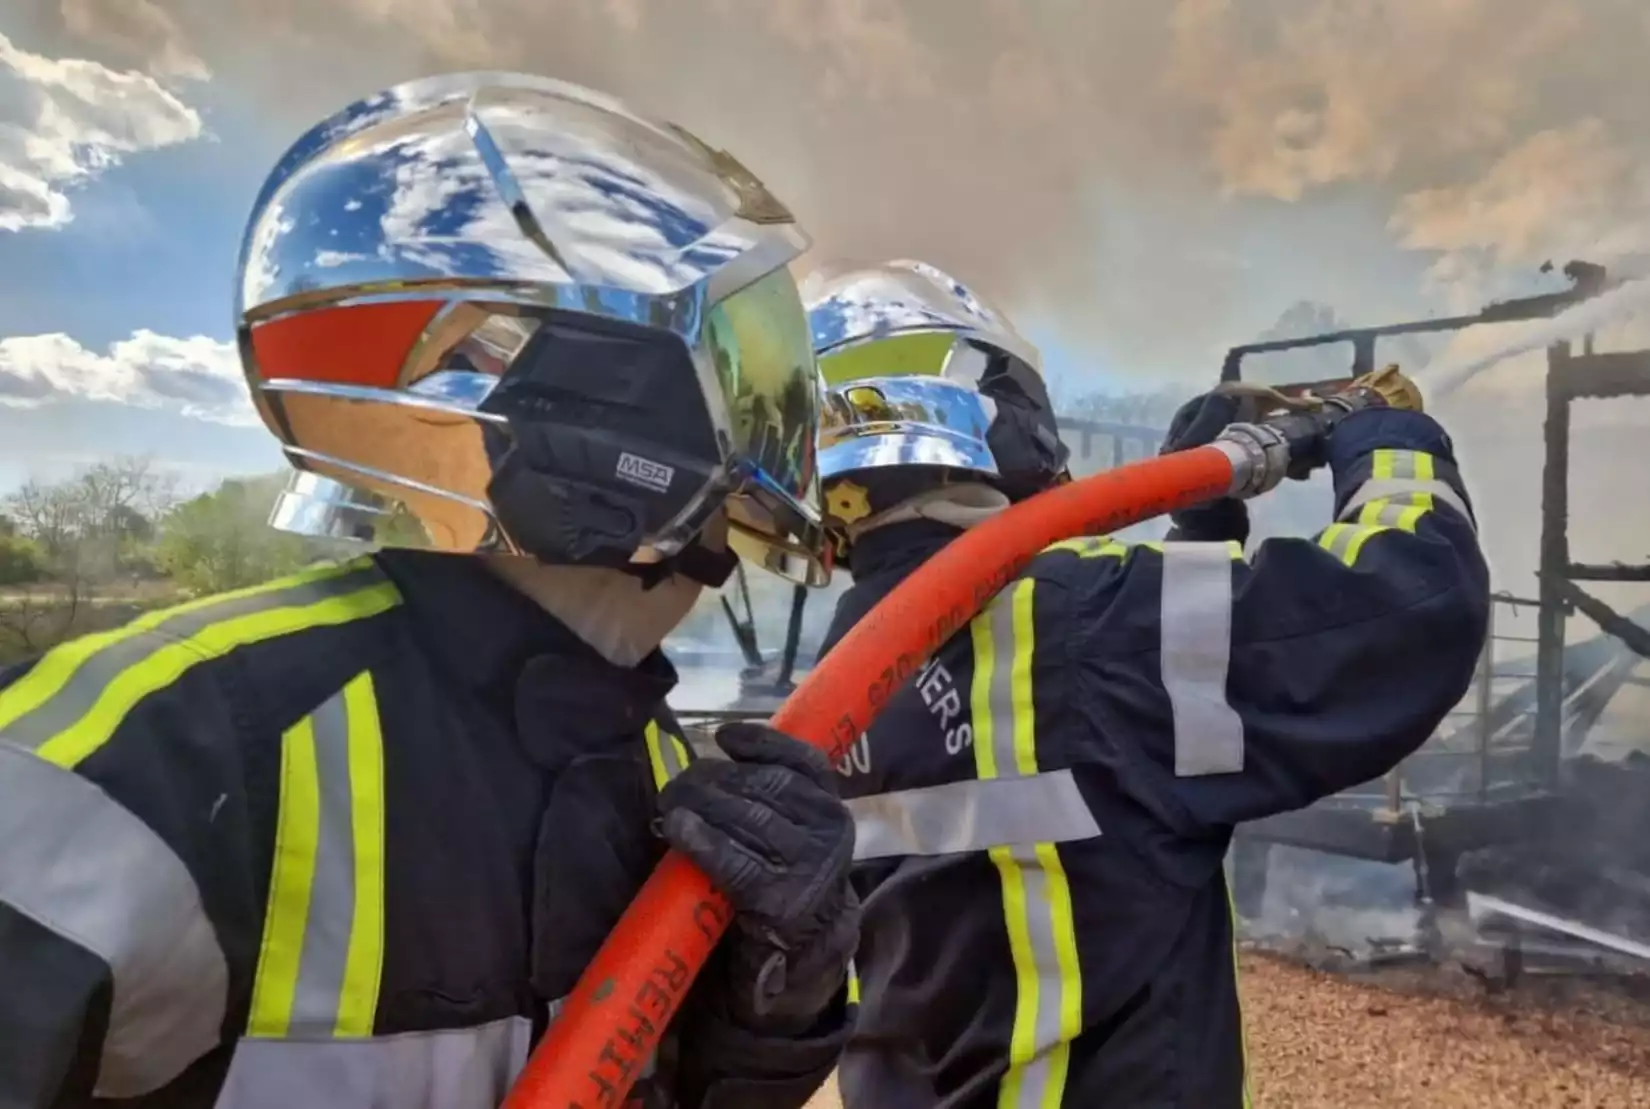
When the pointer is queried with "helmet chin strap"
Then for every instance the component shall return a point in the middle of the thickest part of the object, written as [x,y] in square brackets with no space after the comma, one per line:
[962,505]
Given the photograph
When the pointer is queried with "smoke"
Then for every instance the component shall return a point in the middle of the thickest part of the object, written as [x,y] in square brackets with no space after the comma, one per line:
[1622,303]
[1113,172]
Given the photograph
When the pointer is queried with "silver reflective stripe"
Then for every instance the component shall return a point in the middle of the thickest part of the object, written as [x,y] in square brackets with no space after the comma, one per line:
[1006,652]
[1380,489]
[127,647]
[331,914]
[1037,1076]
[971,816]
[1196,627]
[459,1068]
[670,753]
[78,863]
[1037,903]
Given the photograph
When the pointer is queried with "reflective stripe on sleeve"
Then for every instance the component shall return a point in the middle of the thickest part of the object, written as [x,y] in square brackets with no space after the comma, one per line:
[667,754]
[1403,486]
[1346,541]
[971,815]
[1036,896]
[1195,623]
[74,699]
[80,864]
[322,953]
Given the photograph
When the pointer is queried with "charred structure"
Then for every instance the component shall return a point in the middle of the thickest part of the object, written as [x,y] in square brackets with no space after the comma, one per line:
[1523,800]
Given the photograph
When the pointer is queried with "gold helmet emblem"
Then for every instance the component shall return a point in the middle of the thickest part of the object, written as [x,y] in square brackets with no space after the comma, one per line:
[847,502]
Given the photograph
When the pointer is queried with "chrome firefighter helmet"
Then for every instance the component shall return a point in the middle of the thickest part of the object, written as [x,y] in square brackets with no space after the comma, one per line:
[512,310]
[923,384]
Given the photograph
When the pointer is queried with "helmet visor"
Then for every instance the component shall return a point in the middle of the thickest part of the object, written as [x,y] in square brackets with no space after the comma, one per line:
[924,354]
[759,344]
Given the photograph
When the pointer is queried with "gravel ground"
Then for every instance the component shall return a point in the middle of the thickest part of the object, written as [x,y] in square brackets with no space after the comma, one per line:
[1432,1040]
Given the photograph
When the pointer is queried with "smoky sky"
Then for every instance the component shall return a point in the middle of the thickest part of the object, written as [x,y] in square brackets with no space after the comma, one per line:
[1158,177]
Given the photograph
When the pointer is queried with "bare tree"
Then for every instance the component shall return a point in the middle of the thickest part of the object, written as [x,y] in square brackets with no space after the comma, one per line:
[85,527]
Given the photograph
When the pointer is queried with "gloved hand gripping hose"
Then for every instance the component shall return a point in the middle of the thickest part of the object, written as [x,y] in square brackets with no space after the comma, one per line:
[612,1022]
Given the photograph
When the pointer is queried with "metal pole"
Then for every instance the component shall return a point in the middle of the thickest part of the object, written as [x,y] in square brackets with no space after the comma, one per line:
[793,636]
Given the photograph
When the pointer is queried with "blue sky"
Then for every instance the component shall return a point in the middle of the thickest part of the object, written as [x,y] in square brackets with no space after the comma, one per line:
[1138,203]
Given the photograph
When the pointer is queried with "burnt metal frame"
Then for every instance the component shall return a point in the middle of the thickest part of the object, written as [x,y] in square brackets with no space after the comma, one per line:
[1572,377]
[1337,827]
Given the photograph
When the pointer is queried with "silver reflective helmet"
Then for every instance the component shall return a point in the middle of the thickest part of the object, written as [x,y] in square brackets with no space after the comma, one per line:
[915,369]
[515,312]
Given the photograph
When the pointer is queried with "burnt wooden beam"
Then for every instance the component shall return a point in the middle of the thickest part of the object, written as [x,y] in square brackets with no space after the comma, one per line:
[1554,560]
[1615,571]
[1600,376]
[1607,618]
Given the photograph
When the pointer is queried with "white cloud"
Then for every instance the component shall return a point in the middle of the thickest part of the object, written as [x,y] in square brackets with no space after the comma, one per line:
[197,377]
[64,120]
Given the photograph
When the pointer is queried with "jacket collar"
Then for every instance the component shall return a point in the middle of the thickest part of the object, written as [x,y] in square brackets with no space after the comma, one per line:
[502,646]
[898,549]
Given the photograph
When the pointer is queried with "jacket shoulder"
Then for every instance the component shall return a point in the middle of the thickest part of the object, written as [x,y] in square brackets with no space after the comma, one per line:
[70,702]
[138,752]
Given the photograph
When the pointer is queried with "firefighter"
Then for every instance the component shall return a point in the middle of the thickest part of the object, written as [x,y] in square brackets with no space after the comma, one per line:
[1043,809]
[344,839]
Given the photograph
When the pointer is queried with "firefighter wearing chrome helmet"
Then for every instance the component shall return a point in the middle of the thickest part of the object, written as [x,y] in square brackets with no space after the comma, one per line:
[345,839]
[1043,810]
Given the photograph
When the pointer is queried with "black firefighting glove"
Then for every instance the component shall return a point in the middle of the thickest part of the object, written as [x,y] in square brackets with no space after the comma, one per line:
[1196,424]
[769,830]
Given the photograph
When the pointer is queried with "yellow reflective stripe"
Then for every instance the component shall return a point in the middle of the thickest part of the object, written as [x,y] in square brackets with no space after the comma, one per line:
[1104,546]
[58,665]
[48,677]
[853,983]
[320,964]
[655,755]
[979,695]
[164,666]
[1417,465]
[1395,512]
[1344,541]
[1400,511]
[1090,546]
[1023,1039]
[1405,510]
[297,830]
[1065,950]
[364,960]
[1037,905]
[1243,1028]
[666,753]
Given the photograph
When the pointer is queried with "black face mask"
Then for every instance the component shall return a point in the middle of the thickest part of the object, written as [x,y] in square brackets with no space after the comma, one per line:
[607,440]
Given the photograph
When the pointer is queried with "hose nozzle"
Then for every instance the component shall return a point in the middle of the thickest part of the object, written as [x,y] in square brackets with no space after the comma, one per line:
[1291,440]
[1395,388]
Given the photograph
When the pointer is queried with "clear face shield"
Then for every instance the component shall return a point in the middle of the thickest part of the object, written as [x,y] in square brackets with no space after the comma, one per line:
[758,342]
[541,323]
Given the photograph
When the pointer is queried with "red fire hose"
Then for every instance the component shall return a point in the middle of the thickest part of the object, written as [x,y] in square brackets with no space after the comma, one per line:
[613,1020]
